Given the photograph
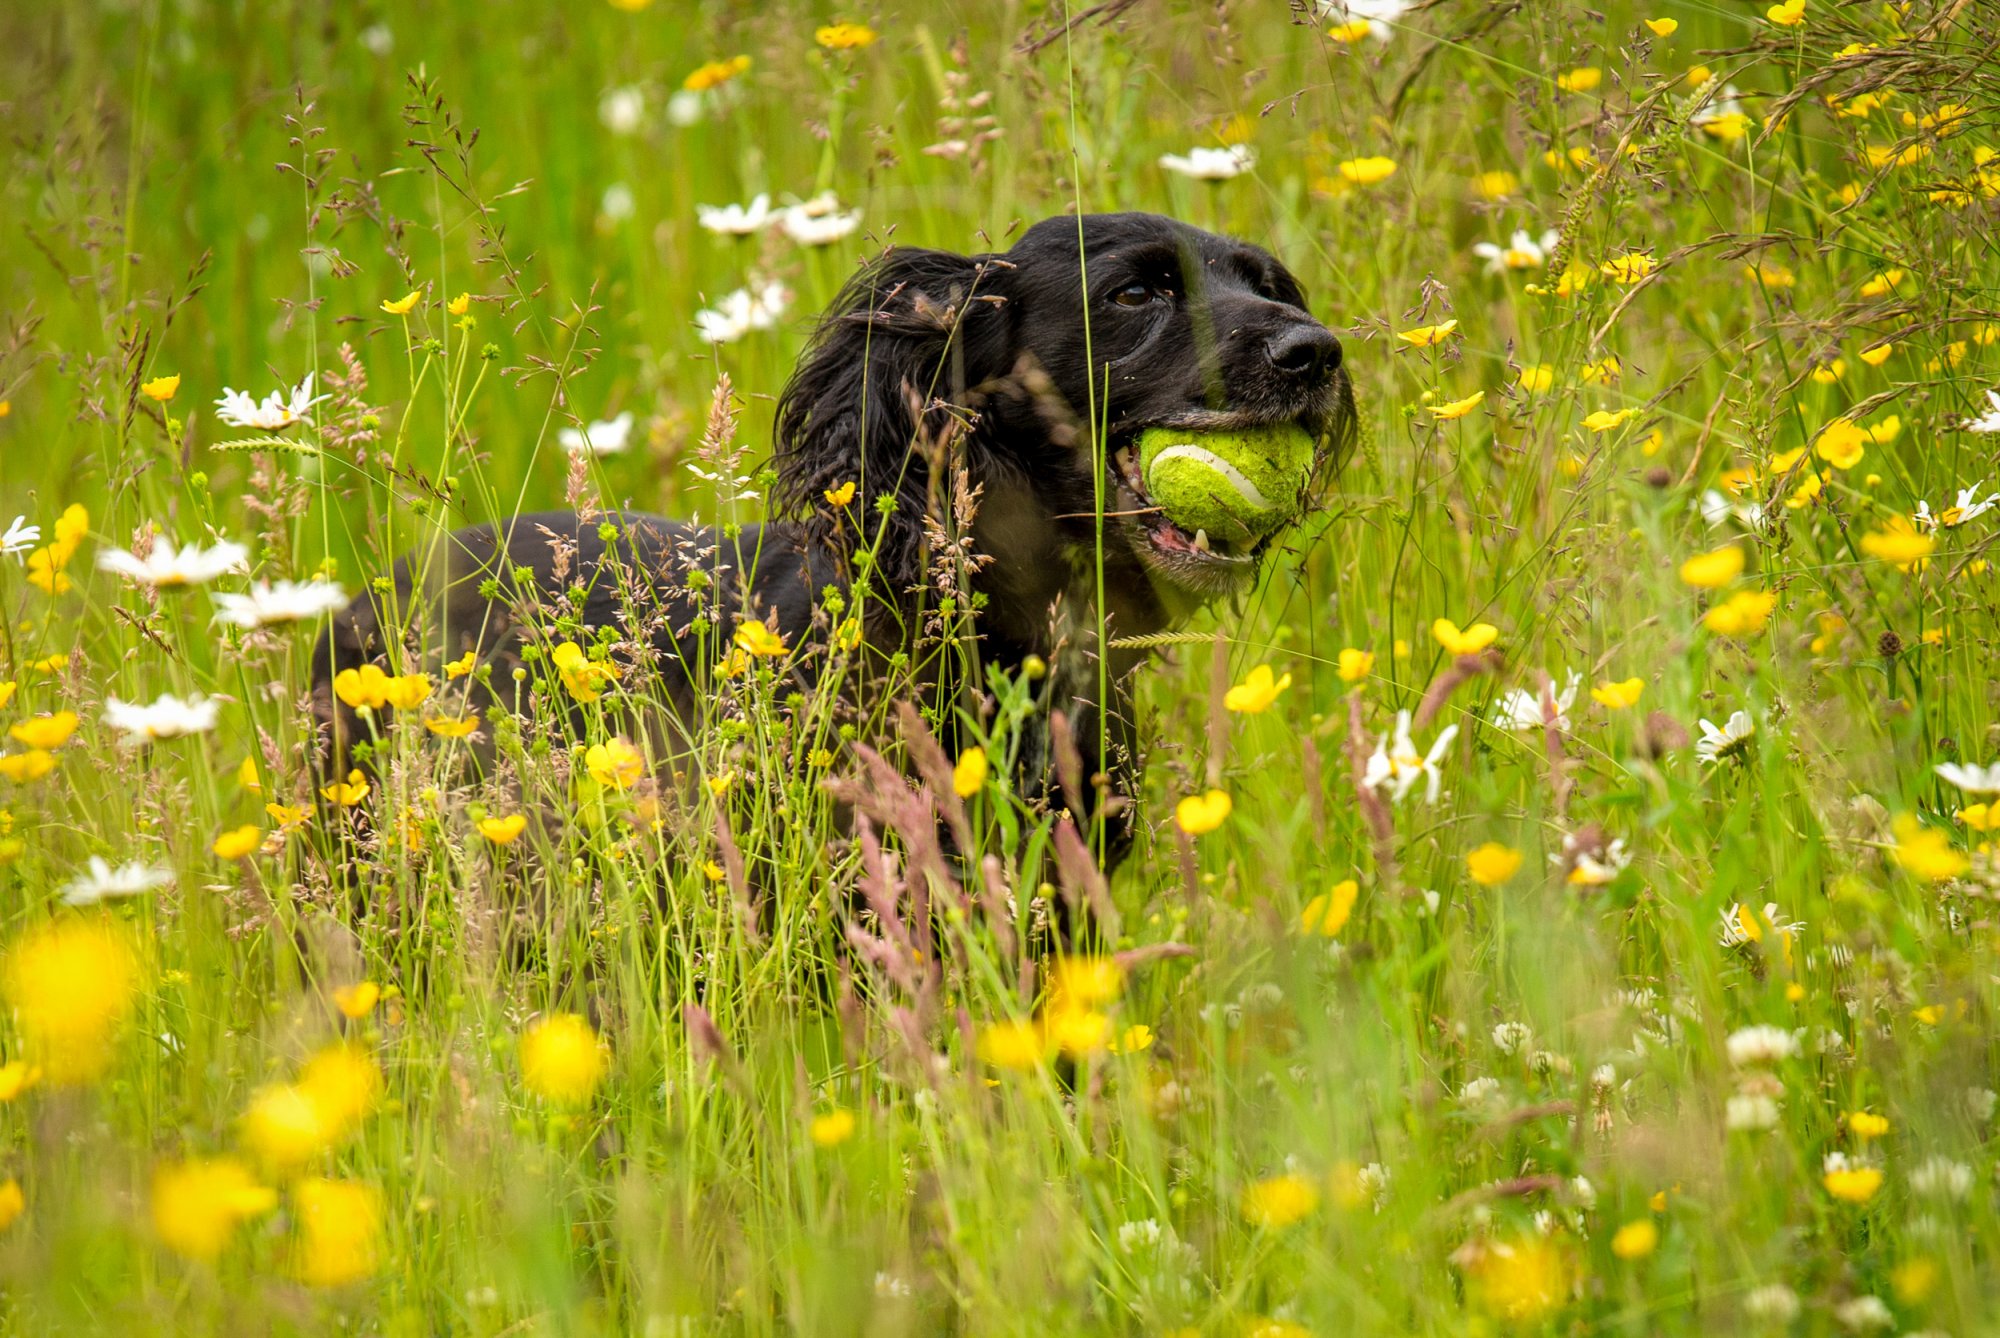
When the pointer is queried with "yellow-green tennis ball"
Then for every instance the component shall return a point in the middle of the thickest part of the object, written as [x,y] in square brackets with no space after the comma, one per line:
[1238,486]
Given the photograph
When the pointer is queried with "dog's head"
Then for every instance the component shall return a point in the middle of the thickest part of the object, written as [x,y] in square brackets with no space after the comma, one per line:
[1060,352]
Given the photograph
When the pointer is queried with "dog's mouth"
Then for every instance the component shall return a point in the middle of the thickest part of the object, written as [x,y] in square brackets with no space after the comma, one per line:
[1203,562]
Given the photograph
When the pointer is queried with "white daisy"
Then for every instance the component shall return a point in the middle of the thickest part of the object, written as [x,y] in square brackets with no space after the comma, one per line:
[1968,505]
[736,220]
[1397,764]
[276,413]
[623,109]
[756,308]
[167,718]
[819,221]
[1377,14]
[101,881]
[609,437]
[284,602]
[20,537]
[1990,420]
[1730,740]
[1971,779]
[1205,164]
[170,566]
[1519,708]
[1761,1044]
[1523,252]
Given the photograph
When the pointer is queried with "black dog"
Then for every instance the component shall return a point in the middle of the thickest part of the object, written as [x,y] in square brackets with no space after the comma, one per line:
[934,379]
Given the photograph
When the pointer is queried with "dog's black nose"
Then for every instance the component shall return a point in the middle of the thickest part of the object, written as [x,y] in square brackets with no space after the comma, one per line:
[1303,349]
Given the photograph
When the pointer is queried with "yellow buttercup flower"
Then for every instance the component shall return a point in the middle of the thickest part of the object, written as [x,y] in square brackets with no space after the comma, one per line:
[840,496]
[563,1060]
[289,817]
[462,666]
[715,73]
[1580,80]
[1628,268]
[584,678]
[755,638]
[459,305]
[450,727]
[47,732]
[1279,1201]
[1636,1239]
[1200,814]
[1537,378]
[1367,171]
[1926,852]
[364,686]
[403,305]
[1853,1184]
[1787,14]
[1256,693]
[1077,1032]
[198,1204]
[1711,571]
[1841,443]
[831,1129]
[347,793]
[16,1077]
[1327,914]
[1014,1044]
[239,842]
[161,388]
[845,36]
[1899,542]
[1742,614]
[340,1230]
[1663,27]
[1444,413]
[1492,864]
[23,768]
[358,1000]
[1618,696]
[1496,185]
[1866,1125]
[1827,373]
[615,764]
[1878,354]
[1466,641]
[405,692]
[72,983]
[1354,665]
[503,831]
[968,774]
[1428,336]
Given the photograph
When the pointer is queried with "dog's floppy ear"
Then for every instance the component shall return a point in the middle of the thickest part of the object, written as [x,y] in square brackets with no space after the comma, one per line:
[913,328]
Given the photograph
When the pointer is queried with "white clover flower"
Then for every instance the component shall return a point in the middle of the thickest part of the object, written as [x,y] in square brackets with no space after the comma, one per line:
[1510,1037]
[889,1287]
[1774,1303]
[1377,14]
[1980,1103]
[1761,1044]
[1990,420]
[274,414]
[609,437]
[685,108]
[1521,709]
[1731,739]
[266,603]
[1397,764]
[100,881]
[1583,1192]
[1863,1313]
[758,307]
[167,718]
[1749,1112]
[1524,251]
[20,537]
[622,109]
[378,39]
[169,566]
[1479,1091]
[736,220]
[1971,779]
[1135,1237]
[1206,164]
[819,221]
[1968,505]
[618,203]
[1942,1178]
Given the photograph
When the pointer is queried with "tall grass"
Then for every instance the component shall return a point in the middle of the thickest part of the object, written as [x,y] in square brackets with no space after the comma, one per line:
[1505,1079]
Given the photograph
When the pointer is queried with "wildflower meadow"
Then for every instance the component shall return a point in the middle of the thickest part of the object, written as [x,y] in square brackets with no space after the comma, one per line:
[1562,897]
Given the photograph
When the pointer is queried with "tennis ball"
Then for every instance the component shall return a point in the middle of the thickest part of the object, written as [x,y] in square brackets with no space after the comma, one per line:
[1238,486]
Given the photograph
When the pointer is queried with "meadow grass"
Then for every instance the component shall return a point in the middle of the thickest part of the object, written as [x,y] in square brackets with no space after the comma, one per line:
[1670,1012]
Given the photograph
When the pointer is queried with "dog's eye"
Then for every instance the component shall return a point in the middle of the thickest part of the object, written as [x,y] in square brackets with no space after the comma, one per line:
[1133,295]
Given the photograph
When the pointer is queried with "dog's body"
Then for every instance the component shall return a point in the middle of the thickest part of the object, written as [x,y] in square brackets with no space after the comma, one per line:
[929,367]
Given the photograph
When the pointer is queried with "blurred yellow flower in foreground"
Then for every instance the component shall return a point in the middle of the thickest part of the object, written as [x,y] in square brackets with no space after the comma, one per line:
[1256,693]
[1900,543]
[238,842]
[833,1128]
[1926,852]
[968,774]
[1618,696]
[1327,914]
[1354,665]
[1711,571]
[1428,336]
[845,36]
[1865,1124]
[198,1204]
[614,763]
[288,1124]
[1279,1201]
[1468,641]
[1742,614]
[715,73]
[503,831]
[32,765]
[1077,1032]
[1200,814]
[1367,171]
[1013,1044]
[16,1077]
[45,731]
[357,1000]
[1582,79]
[1087,982]
[340,1231]
[161,388]
[12,1202]
[1492,864]
[1853,1184]
[1519,1279]
[563,1060]
[1496,185]
[1636,1239]
[72,983]
[1537,378]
